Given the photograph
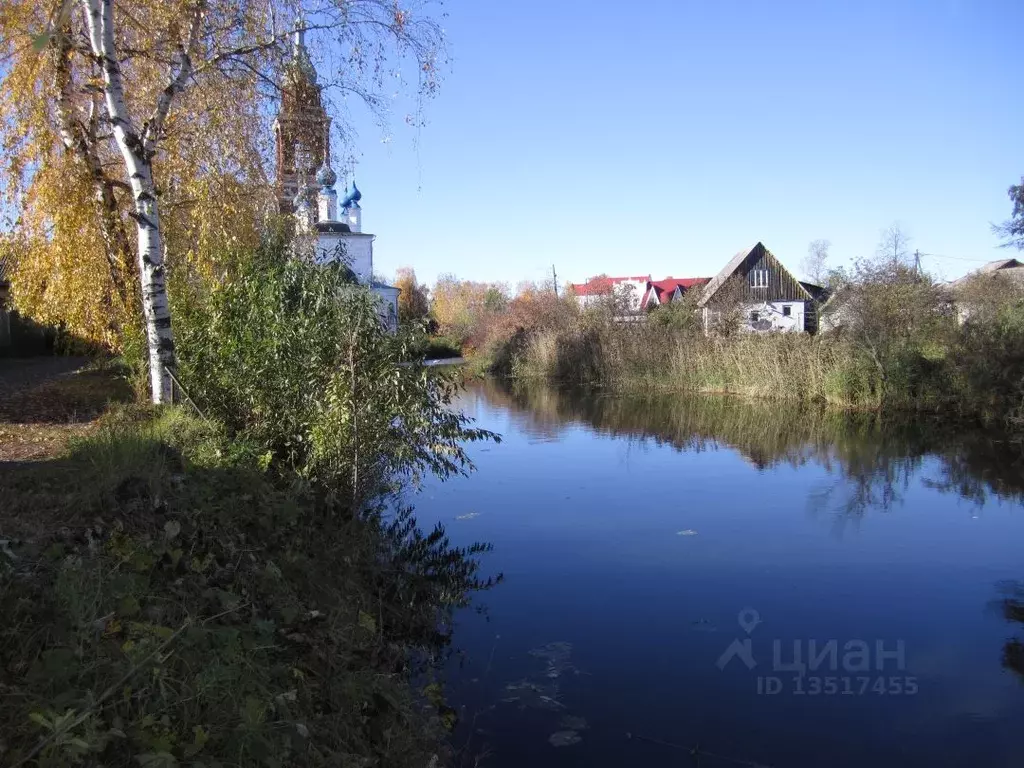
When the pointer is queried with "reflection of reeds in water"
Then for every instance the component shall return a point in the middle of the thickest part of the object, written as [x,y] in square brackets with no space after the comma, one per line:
[875,455]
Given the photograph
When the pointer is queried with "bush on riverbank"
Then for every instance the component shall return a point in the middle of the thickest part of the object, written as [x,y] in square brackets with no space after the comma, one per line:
[291,358]
[240,587]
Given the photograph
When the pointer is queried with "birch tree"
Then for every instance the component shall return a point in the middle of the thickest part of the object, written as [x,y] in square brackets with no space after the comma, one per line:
[138,147]
[816,261]
[894,247]
[133,130]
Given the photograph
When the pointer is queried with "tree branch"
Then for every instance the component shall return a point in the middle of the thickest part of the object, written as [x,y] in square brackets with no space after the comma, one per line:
[154,126]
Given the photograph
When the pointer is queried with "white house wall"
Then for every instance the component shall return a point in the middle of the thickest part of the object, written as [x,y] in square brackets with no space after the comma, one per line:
[773,313]
[633,290]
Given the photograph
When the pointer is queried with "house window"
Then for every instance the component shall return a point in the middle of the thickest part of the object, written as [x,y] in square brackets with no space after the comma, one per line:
[759,278]
[787,311]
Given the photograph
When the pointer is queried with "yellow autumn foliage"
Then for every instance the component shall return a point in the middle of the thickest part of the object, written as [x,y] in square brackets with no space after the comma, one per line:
[62,176]
[210,172]
[413,302]
[60,274]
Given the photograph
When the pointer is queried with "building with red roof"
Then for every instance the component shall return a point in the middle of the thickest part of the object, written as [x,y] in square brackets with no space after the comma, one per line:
[768,296]
[602,288]
[639,291]
[670,289]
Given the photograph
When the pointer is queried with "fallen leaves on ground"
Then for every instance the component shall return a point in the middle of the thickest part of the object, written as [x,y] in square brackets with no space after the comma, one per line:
[32,442]
[43,405]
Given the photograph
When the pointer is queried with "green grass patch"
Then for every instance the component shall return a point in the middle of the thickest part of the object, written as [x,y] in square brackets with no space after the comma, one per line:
[168,603]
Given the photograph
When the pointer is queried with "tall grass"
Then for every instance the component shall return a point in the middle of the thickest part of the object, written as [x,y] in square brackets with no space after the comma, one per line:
[975,371]
[640,357]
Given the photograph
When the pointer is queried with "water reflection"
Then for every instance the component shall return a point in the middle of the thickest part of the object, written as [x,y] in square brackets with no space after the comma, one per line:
[873,458]
[634,531]
[1012,608]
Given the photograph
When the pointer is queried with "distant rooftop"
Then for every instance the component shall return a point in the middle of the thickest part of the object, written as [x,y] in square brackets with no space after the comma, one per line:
[1010,267]
[598,286]
[664,289]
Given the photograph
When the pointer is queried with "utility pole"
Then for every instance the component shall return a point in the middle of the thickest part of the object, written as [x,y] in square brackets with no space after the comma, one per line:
[917,262]
[554,279]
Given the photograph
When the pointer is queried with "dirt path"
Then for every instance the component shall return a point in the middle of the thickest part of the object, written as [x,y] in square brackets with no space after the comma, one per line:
[44,401]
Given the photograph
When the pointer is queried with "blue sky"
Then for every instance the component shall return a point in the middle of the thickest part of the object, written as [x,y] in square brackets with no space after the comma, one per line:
[661,137]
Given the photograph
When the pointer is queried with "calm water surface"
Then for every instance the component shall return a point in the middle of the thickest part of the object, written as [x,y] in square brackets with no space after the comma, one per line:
[669,564]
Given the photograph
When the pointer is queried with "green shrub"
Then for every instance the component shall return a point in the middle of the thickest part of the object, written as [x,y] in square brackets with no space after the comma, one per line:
[293,360]
[231,581]
[988,365]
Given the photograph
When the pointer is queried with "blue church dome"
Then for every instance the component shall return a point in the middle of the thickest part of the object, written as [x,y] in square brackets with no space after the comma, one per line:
[352,198]
[326,177]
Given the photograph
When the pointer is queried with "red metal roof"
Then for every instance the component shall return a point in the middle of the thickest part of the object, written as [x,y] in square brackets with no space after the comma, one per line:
[686,282]
[663,289]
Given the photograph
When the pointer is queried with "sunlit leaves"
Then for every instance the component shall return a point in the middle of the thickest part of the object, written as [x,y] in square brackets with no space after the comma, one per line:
[62,176]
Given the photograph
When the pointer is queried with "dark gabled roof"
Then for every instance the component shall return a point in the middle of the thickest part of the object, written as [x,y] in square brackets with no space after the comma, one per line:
[992,266]
[725,273]
[730,269]
[818,293]
[332,226]
[1005,267]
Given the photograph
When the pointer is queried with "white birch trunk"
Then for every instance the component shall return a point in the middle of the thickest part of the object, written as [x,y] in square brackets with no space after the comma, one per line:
[137,151]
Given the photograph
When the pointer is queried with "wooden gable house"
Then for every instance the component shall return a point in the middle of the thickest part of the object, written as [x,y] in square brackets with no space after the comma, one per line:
[771,299]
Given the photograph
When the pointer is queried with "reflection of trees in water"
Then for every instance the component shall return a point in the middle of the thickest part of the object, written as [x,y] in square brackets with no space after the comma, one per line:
[982,465]
[873,458]
[1011,606]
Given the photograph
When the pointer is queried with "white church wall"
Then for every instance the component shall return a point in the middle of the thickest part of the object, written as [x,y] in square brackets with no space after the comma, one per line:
[388,295]
[359,249]
[357,252]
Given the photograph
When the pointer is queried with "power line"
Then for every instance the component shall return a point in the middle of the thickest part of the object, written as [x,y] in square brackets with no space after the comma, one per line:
[956,258]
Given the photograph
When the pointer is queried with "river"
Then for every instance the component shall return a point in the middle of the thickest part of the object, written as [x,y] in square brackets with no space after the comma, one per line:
[717,583]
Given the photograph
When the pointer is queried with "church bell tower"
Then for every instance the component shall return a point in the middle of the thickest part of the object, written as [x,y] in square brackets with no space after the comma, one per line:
[302,127]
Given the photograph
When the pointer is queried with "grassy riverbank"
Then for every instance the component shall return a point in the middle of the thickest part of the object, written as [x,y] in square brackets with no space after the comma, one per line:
[976,374]
[900,346]
[165,604]
[233,581]
[639,359]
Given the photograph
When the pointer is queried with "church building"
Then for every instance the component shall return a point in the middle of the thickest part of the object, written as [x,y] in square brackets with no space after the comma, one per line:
[303,156]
